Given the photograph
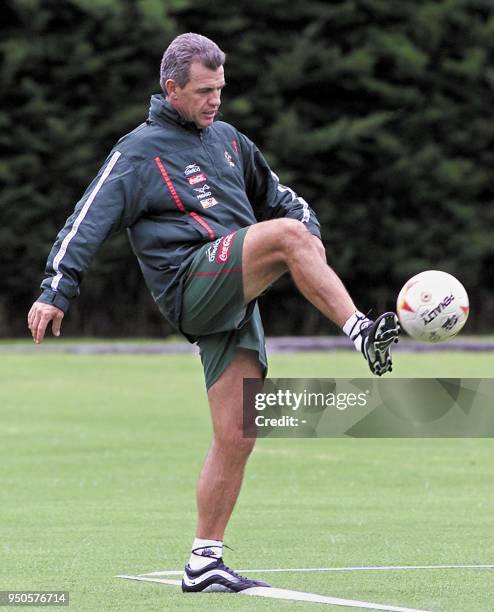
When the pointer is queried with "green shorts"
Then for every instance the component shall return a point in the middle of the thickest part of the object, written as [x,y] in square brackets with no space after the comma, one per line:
[214,310]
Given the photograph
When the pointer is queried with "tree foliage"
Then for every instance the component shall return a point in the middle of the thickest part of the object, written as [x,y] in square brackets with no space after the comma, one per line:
[77,74]
[377,111]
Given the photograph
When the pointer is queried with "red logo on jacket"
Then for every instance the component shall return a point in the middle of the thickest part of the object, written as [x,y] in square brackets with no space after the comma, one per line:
[197,178]
[224,250]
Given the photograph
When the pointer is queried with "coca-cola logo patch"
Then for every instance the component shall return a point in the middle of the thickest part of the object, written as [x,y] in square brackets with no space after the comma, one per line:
[195,179]
[225,248]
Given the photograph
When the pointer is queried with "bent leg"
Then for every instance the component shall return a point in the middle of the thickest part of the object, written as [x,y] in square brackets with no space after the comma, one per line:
[273,247]
[221,476]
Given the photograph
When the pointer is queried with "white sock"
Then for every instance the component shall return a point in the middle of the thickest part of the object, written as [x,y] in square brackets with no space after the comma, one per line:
[204,552]
[353,325]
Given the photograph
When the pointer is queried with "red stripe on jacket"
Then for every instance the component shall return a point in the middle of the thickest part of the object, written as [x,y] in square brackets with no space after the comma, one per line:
[176,198]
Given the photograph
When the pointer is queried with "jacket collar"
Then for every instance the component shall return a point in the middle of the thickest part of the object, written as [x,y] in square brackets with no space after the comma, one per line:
[162,112]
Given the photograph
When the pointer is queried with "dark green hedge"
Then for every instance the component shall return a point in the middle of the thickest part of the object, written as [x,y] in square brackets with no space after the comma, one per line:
[379,112]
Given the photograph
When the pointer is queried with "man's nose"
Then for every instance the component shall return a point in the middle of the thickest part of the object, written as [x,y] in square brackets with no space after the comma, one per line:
[215,98]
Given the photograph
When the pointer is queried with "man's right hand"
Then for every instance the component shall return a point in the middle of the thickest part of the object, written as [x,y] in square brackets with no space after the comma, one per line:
[38,318]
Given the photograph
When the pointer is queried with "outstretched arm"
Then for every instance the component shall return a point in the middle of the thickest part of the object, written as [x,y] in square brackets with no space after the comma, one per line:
[112,201]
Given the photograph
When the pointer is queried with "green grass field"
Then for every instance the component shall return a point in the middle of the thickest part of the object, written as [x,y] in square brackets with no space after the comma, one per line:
[99,459]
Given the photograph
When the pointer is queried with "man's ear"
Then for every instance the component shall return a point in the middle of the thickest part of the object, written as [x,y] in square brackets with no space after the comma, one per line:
[171,89]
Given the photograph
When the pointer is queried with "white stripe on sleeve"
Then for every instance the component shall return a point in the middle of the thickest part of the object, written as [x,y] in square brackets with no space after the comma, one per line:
[80,219]
[282,188]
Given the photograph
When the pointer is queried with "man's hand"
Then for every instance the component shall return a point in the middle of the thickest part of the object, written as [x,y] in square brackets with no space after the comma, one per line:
[38,318]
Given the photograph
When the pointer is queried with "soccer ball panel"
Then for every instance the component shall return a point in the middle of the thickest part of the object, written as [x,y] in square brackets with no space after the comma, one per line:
[432,306]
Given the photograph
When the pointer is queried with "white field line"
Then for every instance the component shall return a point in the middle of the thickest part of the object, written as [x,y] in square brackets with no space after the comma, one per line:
[314,598]
[275,593]
[160,581]
[369,568]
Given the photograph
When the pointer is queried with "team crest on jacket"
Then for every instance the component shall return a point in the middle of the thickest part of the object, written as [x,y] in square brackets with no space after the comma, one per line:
[229,159]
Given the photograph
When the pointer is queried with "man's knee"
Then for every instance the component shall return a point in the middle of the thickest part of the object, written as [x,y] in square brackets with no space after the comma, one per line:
[235,444]
[291,235]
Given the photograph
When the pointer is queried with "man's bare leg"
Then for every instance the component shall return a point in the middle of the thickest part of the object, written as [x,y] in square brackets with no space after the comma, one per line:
[274,247]
[221,476]
[220,480]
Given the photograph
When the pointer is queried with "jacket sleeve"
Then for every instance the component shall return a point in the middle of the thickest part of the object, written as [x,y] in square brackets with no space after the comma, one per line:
[269,198]
[110,203]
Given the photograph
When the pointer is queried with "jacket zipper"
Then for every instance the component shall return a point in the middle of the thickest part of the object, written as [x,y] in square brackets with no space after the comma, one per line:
[211,158]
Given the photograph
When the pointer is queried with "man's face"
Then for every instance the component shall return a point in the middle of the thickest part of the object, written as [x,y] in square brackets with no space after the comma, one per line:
[199,100]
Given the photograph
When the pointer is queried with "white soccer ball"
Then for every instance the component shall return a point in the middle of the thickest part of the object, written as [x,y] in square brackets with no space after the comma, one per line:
[432,306]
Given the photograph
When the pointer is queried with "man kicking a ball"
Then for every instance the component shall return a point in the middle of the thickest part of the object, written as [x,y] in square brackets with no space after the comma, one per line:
[212,229]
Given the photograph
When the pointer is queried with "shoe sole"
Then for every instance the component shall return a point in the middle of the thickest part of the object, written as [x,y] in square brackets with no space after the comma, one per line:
[387,330]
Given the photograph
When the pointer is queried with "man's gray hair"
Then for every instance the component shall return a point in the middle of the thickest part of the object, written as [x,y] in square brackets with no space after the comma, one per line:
[182,51]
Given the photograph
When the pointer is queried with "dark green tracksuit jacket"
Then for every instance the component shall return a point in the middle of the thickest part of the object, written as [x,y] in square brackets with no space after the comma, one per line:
[173,187]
